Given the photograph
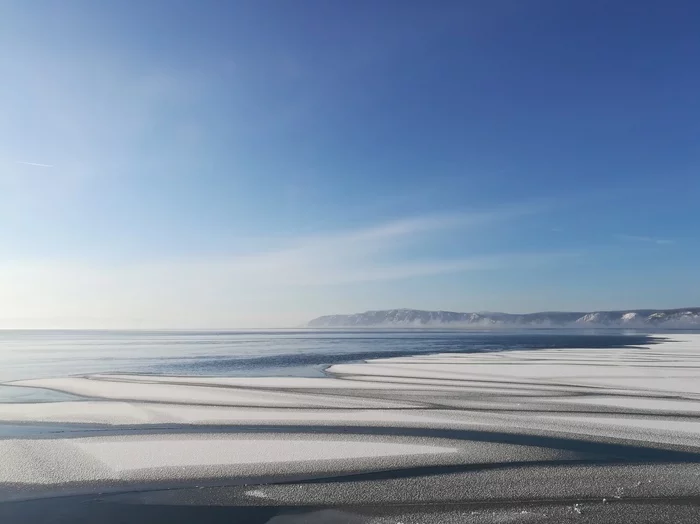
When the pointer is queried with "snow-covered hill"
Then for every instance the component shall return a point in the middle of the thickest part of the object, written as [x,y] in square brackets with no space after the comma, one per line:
[686,317]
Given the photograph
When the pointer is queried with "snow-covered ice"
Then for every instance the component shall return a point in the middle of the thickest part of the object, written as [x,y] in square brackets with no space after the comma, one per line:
[634,403]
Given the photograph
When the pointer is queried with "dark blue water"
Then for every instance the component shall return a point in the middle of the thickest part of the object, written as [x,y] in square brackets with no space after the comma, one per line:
[35,354]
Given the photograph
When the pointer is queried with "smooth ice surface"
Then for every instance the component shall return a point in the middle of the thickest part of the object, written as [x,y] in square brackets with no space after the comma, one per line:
[144,454]
[174,391]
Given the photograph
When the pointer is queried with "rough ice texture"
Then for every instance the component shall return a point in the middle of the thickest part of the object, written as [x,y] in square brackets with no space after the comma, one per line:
[637,404]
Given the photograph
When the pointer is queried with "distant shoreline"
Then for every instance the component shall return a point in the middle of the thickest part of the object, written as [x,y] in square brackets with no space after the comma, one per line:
[681,318]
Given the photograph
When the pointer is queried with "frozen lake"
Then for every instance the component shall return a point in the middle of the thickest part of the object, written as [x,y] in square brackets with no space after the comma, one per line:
[533,416]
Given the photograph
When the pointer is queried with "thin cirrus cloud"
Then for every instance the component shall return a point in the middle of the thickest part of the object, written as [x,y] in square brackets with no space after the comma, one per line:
[373,253]
[649,240]
[227,289]
[35,164]
[379,252]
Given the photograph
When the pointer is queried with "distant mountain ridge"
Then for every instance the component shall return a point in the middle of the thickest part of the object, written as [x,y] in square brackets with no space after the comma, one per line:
[682,317]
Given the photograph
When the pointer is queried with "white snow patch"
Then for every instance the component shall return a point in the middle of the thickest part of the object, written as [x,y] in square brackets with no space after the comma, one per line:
[131,454]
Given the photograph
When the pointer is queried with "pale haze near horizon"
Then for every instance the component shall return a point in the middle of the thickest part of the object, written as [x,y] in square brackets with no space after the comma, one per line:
[260,164]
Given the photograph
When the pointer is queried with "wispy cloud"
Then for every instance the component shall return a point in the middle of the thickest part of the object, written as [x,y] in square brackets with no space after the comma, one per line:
[35,164]
[650,240]
[226,289]
[371,254]
[376,252]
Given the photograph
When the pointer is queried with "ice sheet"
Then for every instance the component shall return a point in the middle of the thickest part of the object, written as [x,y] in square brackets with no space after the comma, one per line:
[644,397]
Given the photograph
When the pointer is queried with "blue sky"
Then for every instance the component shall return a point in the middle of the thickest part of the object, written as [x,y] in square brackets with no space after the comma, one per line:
[258,163]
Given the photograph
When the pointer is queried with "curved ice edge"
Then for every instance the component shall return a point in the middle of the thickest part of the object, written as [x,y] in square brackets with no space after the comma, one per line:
[657,383]
[643,400]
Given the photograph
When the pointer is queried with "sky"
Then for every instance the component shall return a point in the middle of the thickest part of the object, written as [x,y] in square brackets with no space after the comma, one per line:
[170,164]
